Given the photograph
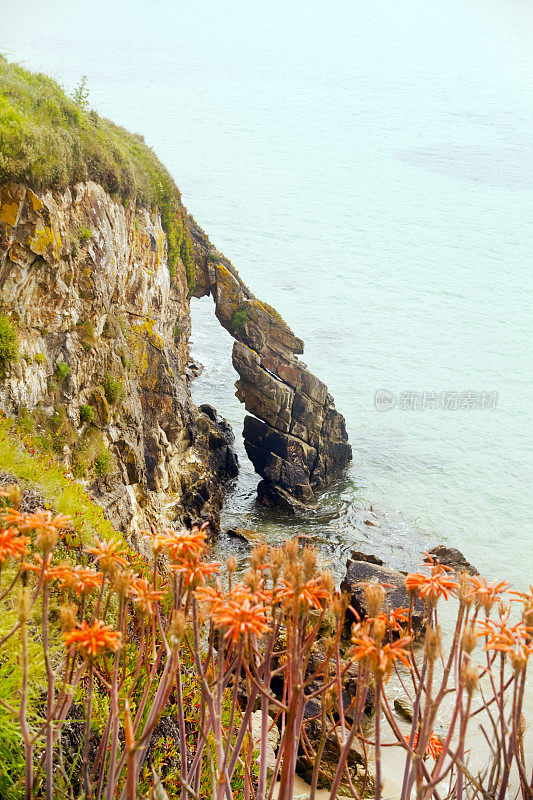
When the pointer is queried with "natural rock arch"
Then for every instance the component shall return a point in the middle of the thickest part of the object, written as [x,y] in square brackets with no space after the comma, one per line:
[296,439]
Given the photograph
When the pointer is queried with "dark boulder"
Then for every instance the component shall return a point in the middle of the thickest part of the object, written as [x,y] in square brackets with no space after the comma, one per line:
[451,557]
[360,572]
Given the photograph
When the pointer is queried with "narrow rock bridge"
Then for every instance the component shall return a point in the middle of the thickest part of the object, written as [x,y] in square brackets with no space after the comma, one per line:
[296,439]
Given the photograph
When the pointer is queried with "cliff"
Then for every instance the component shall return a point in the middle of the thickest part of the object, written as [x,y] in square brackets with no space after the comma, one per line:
[102,334]
[98,262]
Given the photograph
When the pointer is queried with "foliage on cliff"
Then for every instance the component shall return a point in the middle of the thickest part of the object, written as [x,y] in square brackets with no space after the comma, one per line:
[50,141]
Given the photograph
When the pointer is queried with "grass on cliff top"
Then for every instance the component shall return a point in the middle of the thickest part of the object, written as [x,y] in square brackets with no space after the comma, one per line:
[49,140]
[65,495]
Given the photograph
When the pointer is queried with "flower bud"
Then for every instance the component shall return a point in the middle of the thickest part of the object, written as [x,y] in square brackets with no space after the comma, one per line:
[309,562]
[432,646]
[67,615]
[231,564]
[258,556]
[374,595]
[252,579]
[464,592]
[178,627]
[291,550]
[469,639]
[13,495]
[470,676]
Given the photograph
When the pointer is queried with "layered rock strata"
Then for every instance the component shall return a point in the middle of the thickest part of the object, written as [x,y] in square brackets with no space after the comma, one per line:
[294,436]
[103,335]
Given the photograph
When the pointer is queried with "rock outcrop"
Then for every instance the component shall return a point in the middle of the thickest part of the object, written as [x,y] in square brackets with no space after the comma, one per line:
[360,572]
[101,372]
[453,558]
[296,439]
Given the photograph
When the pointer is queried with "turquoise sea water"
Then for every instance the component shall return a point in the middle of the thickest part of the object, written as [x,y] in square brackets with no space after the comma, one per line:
[368,167]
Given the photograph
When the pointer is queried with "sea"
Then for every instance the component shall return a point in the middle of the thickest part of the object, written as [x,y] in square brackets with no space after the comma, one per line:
[368,168]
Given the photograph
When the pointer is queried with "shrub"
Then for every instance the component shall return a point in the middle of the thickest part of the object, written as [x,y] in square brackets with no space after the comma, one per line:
[62,370]
[240,318]
[86,413]
[87,334]
[102,462]
[8,341]
[39,358]
[84,234]
[113,389]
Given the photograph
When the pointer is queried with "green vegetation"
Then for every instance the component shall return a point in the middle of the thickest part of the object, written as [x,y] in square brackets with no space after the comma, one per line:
[66,496]
[86,413]
[84,234]
[50,141]
[62,370]
[87,334]
[240,318]
[114,390]
[102,462]
[39,358]
[8,341]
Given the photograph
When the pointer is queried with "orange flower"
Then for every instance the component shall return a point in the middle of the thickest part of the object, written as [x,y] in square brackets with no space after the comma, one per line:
[78,579]
[12,517]
[380,656]
[144,597]
[12,545]
[207,594]
[309,594]
[182,545]
[49,573]
[499,635]
[238,613]
[431,587]
[46,527]
[394,619]
[487,594]
[92,640]
[108,554]
[195,571]
[434,746]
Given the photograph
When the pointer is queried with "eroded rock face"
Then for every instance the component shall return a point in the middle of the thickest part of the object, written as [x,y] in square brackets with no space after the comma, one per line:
[88,282]
[296,439]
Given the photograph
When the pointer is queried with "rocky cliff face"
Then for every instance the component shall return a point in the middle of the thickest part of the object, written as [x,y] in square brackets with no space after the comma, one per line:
[296,439]
[103,350]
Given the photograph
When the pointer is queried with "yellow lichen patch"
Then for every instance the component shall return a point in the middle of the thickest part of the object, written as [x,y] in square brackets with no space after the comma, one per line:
[9,206]
[42,239]
[9,213]
[36,201]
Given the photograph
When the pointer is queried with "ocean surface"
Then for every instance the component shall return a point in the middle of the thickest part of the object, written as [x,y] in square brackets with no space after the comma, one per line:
[368,168]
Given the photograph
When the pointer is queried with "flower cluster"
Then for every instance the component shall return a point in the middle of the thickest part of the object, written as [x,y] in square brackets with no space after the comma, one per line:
[92,640]
[240,613]
[430,587]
